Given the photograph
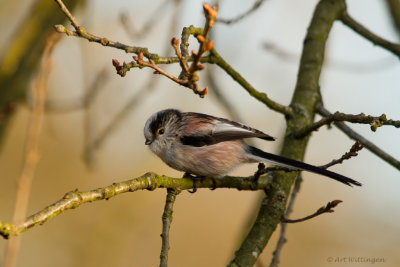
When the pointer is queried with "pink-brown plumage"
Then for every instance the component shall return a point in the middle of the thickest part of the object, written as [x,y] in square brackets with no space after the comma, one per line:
[205,145]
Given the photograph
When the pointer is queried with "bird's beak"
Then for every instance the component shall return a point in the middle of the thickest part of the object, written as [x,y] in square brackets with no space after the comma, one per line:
[147,142]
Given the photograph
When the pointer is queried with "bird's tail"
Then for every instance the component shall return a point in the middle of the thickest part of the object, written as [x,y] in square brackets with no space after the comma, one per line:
[260,155]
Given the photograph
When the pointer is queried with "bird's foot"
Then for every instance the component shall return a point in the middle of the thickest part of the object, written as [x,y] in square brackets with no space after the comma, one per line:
[195,179]
[214,182]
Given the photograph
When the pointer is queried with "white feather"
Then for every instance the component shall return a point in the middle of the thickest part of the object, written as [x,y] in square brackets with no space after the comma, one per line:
[226,127]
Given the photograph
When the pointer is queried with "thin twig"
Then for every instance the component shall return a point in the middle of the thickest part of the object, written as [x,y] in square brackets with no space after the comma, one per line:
[31,157]
[352,153]
[282,238]
[357,137]
[346,156]
[222,99]
[184,46]
[382,64]
[148,181]
[81,32]
[375,122]
[100,138]
[95,87]
[182,59]
[260,96]
[305,97]
[188,77]
[84,102]
[150,63]
[123,68]
[213,58]
[148,24]
[133,102]
[255,6]
[375,39]
[325,209]
[68,14]
[167,220]
[89,114]
[189,73]
[205,44]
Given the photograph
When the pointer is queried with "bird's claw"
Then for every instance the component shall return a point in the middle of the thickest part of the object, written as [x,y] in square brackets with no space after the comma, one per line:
[197,179]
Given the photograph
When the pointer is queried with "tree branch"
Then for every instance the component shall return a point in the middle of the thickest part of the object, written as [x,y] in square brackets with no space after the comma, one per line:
[31,157]
[365,142]
[133,102]
[394,9]
[229,107]
[348,155]
[282,238]
[167,220]
[305,98]
[372,66]
[367,34]
[149,181]
[190,78]
[148,24]
[62,106]
[260,96]
[325,209]
[81,32]
[183,55]
[296,189]
[375,122]
[255,6]
[213,58]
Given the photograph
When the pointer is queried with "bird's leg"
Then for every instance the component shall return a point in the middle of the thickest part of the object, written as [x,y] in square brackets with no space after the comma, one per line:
[214,182]
[195,179]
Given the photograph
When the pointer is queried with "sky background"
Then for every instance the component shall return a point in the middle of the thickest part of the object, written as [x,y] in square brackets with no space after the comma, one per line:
[209,225]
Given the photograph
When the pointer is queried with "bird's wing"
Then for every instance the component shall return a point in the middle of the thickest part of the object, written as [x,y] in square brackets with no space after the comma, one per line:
[201,129]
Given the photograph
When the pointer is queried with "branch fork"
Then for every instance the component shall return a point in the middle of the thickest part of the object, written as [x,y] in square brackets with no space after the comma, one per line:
[374,122]
[188,77]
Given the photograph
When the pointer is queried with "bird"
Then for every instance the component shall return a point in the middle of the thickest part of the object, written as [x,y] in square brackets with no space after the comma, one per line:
[207,146]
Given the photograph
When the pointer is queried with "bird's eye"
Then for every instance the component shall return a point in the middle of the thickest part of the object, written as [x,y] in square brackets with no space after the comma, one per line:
[160,131]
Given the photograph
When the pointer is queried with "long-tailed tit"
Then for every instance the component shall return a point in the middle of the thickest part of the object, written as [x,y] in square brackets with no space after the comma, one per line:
[208,146]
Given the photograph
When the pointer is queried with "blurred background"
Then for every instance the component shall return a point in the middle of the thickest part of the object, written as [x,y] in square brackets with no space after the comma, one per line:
[86,142]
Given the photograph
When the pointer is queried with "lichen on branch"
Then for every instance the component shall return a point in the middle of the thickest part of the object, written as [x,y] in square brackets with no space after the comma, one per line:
[148,181]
